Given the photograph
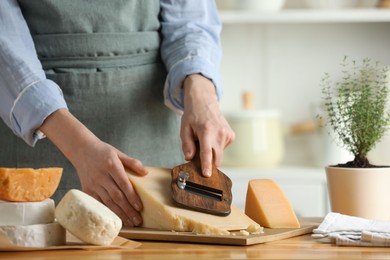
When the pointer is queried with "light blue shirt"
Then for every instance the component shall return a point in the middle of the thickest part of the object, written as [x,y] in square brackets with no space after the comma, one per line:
[191,44]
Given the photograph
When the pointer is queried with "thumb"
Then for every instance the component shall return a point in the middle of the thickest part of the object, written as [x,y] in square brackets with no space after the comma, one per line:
[133,164]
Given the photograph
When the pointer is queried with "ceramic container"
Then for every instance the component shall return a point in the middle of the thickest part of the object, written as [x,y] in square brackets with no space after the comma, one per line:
[259,139]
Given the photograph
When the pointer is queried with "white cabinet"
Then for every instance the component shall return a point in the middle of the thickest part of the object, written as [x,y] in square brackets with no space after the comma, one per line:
[305,187]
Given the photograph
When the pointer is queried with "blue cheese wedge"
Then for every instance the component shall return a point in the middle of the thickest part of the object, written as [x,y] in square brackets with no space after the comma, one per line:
[87,218]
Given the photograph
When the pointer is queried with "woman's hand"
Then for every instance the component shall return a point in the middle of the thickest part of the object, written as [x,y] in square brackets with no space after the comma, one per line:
[102,175]
[203,121]
[99,166]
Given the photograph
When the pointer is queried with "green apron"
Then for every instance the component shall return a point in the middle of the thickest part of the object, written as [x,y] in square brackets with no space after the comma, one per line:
[105,57]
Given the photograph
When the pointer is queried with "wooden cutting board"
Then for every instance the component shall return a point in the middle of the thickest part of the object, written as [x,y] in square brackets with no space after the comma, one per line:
[172,236]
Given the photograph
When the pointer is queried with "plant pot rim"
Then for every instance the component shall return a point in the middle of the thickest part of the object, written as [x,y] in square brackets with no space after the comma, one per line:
[379,168]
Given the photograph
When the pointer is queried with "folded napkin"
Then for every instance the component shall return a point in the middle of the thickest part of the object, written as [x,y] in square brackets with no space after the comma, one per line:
[353,231]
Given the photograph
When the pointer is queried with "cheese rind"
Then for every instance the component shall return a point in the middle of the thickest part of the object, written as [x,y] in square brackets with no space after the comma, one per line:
[267,204]
[27,184]
[40,235]
[26,213]
[87,218]
[160,212]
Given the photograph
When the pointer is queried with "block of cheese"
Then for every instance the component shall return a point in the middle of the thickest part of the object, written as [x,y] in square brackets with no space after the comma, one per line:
[26,213]
[40,235]
[87,218]
[267,204]
[160,212]
[27,184]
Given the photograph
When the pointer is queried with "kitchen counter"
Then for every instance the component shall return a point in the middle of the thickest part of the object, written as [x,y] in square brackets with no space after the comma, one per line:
[302,247]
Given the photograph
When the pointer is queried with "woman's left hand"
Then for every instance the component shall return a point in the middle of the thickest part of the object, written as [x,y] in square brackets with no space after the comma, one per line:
[203,121]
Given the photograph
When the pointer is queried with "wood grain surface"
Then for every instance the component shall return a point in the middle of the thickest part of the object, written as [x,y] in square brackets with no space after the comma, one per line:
[268,236]
[300,247]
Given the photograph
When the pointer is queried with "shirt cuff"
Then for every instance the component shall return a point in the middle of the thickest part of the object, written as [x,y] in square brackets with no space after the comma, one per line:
[173,91]
[33,105]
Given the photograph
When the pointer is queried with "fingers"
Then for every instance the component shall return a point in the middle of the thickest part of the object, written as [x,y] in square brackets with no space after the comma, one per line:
[206,156]
[224,139]
[210,150]
[133,164]
[205,150]
[212,145]
[212,142]
[129,216]
[113,187]
[188,143]
[123,183]
[218,155]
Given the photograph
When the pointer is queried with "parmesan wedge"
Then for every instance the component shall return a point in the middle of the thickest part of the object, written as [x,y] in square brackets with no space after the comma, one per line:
[160,212]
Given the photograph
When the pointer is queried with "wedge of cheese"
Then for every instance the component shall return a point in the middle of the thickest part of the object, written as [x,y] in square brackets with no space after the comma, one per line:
[40,235]
[87,218]
[26,213]
[267,204]
[27,184]
[160,212]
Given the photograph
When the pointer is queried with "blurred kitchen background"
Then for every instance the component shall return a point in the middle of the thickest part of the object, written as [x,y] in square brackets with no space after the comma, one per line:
[275,53]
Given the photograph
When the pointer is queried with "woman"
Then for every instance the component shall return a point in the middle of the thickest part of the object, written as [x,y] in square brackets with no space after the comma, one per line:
[88,75]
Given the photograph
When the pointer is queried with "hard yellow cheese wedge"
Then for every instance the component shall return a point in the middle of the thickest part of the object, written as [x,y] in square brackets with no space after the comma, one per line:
[160,212]
[27,184]
[267,204]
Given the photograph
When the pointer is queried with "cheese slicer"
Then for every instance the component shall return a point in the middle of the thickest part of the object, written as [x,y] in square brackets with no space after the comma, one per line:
[190,189]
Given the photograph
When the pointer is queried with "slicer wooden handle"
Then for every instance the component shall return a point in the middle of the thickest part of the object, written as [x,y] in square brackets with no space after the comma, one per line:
[214,195]
[207,194]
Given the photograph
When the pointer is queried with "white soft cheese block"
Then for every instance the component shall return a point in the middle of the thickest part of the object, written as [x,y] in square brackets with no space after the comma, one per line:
[40,235]
[87,218]
[160,212]
[26,213]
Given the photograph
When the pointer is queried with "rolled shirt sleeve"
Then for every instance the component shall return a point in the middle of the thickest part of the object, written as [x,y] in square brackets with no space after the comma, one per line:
[27,97]
[190,44]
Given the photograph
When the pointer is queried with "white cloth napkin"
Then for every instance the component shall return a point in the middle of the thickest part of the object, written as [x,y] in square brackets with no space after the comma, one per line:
[353,231]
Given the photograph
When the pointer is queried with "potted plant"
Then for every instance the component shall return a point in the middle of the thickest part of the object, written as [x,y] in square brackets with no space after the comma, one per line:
[357,114]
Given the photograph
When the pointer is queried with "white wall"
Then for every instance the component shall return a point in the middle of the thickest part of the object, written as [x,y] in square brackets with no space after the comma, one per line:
[283,64]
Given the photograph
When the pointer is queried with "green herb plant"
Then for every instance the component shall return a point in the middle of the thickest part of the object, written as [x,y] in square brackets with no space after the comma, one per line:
[356,108]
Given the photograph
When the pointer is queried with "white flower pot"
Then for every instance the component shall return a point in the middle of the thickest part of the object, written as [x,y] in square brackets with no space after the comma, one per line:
[361,192]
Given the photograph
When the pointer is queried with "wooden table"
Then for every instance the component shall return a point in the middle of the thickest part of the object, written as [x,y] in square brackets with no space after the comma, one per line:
[302,247]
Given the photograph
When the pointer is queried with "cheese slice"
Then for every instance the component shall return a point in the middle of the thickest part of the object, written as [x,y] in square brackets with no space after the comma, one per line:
[267,204]
[40,235]
[160,212]
[87,218]
[26,213]
[27,184]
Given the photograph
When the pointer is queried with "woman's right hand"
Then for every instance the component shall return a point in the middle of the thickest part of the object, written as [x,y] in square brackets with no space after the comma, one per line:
[100,166]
